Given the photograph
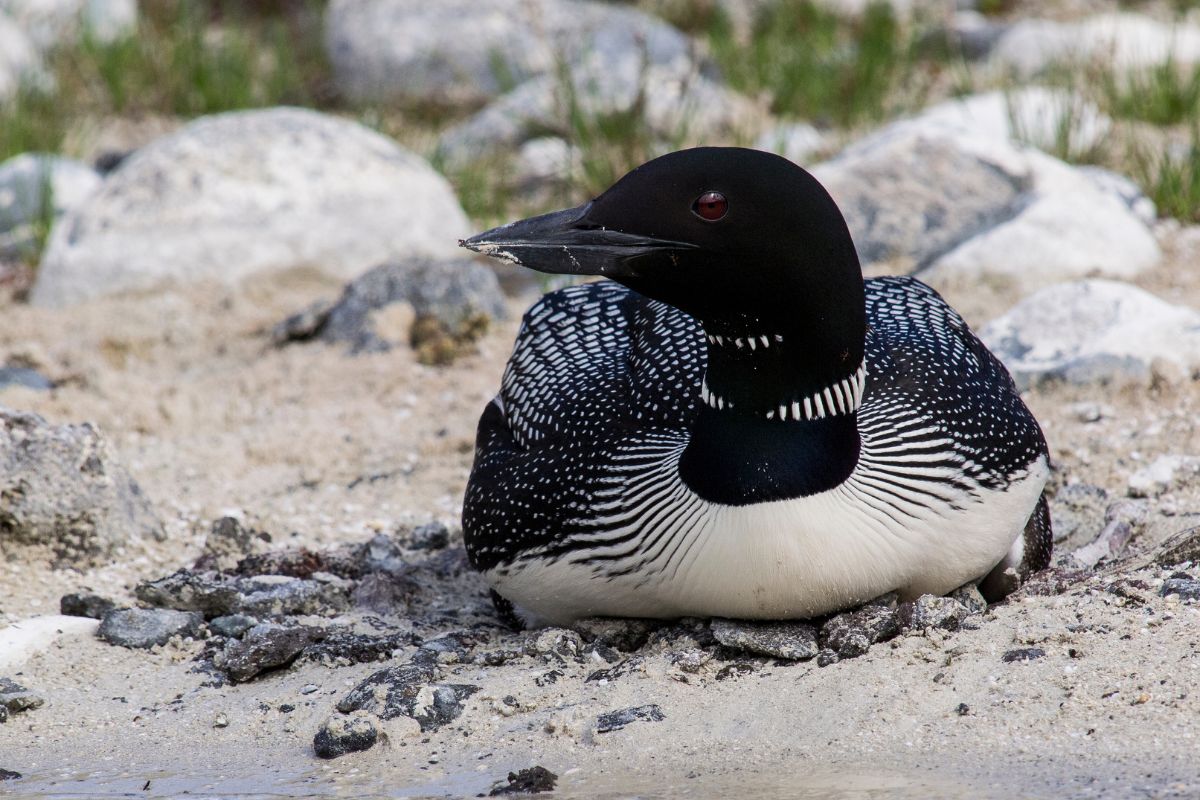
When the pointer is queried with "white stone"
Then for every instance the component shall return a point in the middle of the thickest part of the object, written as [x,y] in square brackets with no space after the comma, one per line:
[51,23]
[1094,331]
[1066,228]
[238,194]
[545,160]
[798,142]
[464,52]
[1161,475]
[18,58]
[1122,41]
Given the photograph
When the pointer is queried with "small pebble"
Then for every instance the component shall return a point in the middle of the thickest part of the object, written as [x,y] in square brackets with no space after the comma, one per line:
[221,721]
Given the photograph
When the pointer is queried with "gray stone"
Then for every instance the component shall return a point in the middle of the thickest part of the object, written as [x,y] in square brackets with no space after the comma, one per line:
[265,646]
[228,542]
[1186,589]
[34,185]
[15,698]
[615,720]
[928,611]
[82,604]
[232,626]
[19,60]
[147,627]
[1096,331]
[339,735]
[61,486]
[1078,513]
[214,594]
[672,101]
[408,690]
[430,536]
[851,633]
[25,377]
[628,635]
[971,598]
[458,294]
[60,23]
[1123,189]
[1163,474]
[461,53]
[1023,654]
[545,161]
[8,774]
[527,781]
[792,641]
[248,193]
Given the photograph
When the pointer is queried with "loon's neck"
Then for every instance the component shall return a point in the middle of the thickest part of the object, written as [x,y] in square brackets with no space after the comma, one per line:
[779,420]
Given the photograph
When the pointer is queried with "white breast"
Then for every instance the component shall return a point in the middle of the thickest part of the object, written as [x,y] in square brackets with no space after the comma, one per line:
[783,559]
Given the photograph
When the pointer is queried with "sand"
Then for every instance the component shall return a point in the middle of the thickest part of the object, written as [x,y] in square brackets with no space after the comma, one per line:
[319,448]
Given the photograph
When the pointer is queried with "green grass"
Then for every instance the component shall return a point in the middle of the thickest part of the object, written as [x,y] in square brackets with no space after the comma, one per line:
[185,59]
[816,65]
[1163,95]
[1171,181]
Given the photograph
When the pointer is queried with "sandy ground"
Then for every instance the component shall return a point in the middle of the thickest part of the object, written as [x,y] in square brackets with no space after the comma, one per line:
[320,448]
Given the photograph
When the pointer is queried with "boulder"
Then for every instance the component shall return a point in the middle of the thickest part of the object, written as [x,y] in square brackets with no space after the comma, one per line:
[55,23]
[1095,331]
[19,59]
[243,193]
[1121,41]
[62,487]
[798,142]
[675,104]
[462,53]
[949,195]
[143,628]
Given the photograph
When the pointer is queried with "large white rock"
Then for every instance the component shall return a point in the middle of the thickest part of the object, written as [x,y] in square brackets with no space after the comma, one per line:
[1095,331]
[1123,41]
[950,194]
[237,194]
[50,23]
[18,57]
[464,52]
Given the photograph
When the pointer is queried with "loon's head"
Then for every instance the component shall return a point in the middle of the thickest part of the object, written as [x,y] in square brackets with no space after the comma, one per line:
[745,241]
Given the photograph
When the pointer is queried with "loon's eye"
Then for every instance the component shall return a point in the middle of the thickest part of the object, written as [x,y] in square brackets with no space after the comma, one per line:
[710,206]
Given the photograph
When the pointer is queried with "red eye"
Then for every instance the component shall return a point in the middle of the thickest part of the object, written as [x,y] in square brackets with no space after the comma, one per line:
[710,206]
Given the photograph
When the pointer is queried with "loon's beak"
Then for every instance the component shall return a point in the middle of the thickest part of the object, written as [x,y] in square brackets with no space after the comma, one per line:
[564,242]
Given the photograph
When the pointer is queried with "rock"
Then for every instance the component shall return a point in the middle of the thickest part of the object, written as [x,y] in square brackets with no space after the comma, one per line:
[21,640]
[545,161]
[628,635]
[527,781]
[615,720]
[1123,189]
[928,611]
[39,187]
[1120,41]
[793,641]
[9,775]
[147,627]
[232,626]
[430,536]
[994,203]
[19,60]
[670,101]
[461,296]
[61,486]
[215,594]
[971,599]
[1023,654]
[3,714]
[246,193]
[851,633]
[407,690]
[1095,332]
[23,376]
[798,142]
[60,23]
[1187,589]
[228,542]
[340,646]
[1162,475]
[15,698]
[416,52]
[346,734]
[82,604]
[263,647]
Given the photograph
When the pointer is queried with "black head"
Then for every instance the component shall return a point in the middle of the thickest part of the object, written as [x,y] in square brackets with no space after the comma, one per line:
[743,240]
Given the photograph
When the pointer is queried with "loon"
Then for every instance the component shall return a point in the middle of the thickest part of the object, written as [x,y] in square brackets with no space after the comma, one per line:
[735,423]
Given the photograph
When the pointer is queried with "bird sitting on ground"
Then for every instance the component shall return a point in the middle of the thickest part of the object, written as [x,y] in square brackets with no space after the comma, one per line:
[736,424]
